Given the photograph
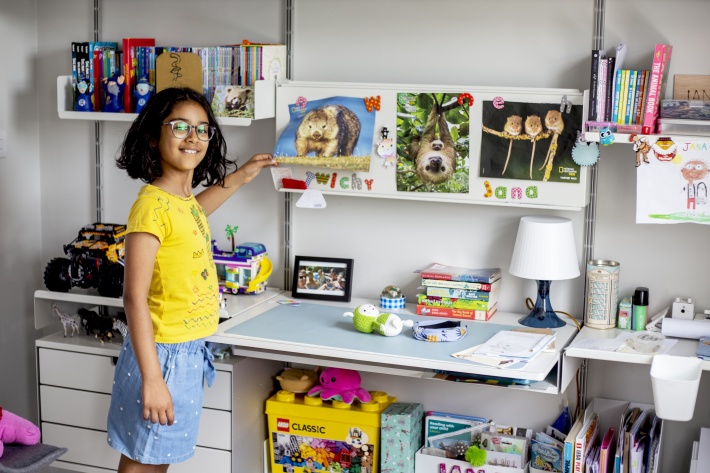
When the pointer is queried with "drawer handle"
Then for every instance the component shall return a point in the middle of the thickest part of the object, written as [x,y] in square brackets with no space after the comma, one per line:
[114,360]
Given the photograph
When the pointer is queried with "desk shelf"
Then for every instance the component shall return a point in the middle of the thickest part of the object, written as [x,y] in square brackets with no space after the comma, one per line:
[683,347]
[334,342]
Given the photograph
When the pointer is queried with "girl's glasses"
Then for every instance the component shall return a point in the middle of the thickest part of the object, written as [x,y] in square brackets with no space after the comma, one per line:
[182,130]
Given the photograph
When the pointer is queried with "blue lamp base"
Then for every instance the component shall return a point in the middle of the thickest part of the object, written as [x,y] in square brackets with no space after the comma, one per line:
[542,315]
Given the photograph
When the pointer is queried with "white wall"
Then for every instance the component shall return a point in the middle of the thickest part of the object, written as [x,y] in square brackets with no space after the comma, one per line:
[455,42]
[21,227]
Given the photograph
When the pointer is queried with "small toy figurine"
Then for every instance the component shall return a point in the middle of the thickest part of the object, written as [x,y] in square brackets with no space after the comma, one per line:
[340,384]
[68,321]
[113,88]
[641,148]
[142,93]
[93,321]
[15,429]
[606,137]
[386,149]
[367,319]
[297,380]
[83,97]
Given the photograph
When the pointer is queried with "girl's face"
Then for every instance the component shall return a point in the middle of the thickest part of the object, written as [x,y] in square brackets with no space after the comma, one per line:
[182,155]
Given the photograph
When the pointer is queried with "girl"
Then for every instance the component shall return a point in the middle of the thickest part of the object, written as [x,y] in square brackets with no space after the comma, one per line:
[170,291]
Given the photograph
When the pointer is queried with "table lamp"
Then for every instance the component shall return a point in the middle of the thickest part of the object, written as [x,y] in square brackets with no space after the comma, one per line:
[544,251]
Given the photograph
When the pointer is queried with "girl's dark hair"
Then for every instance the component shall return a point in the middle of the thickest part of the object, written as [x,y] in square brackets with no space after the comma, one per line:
[140,155]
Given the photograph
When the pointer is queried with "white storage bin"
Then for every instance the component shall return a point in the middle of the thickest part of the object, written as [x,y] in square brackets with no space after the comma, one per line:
[675,381]
[432,464]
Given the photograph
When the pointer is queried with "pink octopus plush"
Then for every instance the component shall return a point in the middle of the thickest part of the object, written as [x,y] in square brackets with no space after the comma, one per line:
[15,429]
[340,384]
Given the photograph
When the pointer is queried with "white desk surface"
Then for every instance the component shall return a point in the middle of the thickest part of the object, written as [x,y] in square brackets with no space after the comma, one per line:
[683,347]
[333,339]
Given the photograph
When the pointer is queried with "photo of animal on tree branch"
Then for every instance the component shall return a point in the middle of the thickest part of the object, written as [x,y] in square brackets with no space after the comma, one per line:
[529,141]
[334,133]
[432,143]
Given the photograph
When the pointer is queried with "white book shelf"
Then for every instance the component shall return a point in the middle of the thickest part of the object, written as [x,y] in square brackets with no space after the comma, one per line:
[264,105]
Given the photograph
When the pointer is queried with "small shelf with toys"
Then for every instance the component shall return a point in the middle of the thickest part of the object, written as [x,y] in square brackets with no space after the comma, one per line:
[264,105]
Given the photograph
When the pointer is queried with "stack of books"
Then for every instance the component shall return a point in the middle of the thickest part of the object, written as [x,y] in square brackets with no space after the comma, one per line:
[459,293]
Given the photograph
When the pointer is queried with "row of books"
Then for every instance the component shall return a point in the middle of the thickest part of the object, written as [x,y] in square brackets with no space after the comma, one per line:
[230,65]
[92,62]
[461,293]
[625,96]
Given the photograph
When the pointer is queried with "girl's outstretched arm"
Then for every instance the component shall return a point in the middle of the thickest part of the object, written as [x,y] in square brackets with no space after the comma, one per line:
[141,250]
[211,198]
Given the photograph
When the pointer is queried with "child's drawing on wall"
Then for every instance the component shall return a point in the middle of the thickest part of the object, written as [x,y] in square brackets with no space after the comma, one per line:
[660,198]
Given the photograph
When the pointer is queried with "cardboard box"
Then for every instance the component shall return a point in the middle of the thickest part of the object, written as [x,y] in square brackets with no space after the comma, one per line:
[400,436]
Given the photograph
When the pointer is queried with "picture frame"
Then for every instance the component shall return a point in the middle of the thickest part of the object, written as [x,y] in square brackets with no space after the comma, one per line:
[320,278]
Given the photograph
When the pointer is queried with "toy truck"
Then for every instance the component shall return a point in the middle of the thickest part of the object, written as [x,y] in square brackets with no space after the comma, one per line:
[94,260]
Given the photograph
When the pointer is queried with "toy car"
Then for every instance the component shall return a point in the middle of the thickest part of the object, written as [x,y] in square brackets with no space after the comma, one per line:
[94,259]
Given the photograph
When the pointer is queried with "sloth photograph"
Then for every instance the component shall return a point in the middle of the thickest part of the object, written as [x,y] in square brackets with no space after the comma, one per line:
[334,133]
[529,141]
[432,143]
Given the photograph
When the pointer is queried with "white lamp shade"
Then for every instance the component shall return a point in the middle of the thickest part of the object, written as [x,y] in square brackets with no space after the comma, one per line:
[545,249]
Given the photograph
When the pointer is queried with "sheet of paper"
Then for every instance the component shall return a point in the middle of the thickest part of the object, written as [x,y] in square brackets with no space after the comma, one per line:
[510,344]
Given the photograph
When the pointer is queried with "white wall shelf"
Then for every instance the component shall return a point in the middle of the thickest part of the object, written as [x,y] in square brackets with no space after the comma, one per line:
[576,349]
[264,105]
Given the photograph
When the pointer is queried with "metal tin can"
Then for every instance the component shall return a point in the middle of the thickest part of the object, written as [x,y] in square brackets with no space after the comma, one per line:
[602,294]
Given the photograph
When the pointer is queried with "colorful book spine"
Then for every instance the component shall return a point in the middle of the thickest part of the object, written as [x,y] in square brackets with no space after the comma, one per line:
[659,69]
[630,88]
[610,76]
[451,313]
[624,93]
[617,96]
[602,88]
[640,96]
[458,293]
[431,301]
[593,85]
[472,286]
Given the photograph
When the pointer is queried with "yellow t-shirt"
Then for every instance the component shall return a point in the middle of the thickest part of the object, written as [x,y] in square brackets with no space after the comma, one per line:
[184,292]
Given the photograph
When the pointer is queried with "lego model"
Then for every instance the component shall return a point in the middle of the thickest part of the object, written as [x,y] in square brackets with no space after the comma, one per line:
[246,270]
[94,259]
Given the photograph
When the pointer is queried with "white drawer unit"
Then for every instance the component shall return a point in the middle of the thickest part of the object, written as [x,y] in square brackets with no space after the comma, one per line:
[75,376]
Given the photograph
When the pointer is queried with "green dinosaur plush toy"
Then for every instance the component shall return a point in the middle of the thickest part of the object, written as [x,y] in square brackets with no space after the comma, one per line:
[367,319]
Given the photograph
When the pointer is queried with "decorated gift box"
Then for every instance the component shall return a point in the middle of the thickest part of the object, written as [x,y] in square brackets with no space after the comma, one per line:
[401,436]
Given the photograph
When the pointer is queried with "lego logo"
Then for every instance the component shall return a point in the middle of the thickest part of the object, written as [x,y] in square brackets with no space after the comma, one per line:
[282,425]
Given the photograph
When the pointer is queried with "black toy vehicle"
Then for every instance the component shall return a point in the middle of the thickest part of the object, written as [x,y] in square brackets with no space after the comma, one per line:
[94,259]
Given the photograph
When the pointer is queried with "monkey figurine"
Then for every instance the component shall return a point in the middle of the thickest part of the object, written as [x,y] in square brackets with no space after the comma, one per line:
[434,158]
[332,130]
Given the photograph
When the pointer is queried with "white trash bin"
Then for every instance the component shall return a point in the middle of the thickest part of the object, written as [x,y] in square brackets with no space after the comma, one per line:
[675,381]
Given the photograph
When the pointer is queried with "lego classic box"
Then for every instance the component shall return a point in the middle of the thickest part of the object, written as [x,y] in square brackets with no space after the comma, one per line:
[400,436]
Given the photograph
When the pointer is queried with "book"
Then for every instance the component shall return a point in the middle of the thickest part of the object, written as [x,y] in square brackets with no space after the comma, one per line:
[450,273]
[607,451]
[623,95]
[130,69]
[630,89]
[584,440]
[610,86]
[455,303]
[641,96]
[472,286]
[452,313]
[594,84]
[569,445]
[459,293]
[617,97]
[602,88]
[659,71]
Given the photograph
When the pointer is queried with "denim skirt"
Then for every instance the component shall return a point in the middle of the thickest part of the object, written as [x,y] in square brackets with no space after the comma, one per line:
[185,366]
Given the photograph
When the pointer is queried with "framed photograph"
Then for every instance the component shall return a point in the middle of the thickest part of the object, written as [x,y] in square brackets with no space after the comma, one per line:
[325,279]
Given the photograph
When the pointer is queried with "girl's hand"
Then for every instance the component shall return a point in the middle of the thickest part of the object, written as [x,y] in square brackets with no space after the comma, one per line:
[157,402]
[251,168]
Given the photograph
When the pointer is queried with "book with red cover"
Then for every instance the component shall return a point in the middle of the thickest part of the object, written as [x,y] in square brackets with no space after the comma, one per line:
[607,451]
[456,313]
[659,72]
[130,64]
[452,273]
